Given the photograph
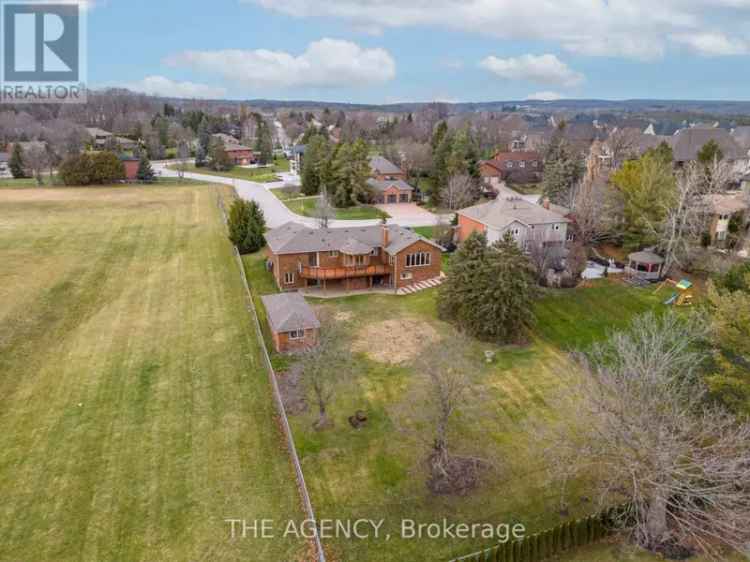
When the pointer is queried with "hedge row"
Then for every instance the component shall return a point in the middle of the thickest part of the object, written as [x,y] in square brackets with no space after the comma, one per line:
[564,537]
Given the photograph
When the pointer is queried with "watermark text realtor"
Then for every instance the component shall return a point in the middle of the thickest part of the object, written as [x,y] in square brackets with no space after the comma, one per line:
[366,529]
[42,52]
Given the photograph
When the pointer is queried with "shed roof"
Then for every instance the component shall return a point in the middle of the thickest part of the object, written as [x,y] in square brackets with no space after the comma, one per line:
[289,311]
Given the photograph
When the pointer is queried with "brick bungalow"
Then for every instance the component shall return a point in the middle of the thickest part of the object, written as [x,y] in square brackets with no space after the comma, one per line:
[294,326]
[351,258]
[240,155]
[516,167]
[390,191]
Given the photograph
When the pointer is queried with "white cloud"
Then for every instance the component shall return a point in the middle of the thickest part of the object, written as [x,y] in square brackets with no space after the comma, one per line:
[639,29]
[712,44]
[540,69]
[163,86]
[544,96]
[327,63]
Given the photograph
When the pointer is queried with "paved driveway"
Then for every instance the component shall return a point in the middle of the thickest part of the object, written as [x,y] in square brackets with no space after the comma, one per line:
[277,213]
[410,214]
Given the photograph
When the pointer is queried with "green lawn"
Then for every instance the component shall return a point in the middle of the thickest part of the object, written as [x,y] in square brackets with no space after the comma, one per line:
[377,472]
[135,410]
[31,182]
[305,206]
[573,319]
[263,175]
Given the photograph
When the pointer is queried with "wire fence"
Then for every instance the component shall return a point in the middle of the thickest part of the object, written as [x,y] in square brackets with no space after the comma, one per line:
[301,486]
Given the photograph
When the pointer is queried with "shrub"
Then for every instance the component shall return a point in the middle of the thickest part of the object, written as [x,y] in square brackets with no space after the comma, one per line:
[246,226]
[91,169]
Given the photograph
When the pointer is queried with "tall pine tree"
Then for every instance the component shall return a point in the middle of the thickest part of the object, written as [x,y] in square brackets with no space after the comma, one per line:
[16,163]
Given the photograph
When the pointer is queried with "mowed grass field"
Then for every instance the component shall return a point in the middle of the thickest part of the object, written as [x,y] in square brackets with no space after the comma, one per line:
[377,472]
[135,412]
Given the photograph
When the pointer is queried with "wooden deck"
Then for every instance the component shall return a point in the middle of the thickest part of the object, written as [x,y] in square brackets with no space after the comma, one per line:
[323,273]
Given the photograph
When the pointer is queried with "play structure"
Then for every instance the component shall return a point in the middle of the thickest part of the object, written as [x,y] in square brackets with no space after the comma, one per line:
[684,294]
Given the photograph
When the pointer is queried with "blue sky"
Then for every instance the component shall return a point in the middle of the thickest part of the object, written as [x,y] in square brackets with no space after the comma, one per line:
[386,51]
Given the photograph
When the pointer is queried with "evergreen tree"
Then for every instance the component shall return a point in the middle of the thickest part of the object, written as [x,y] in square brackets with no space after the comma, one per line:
[16,163]
[490,290]
[710,153]
[220,160]
[316,157]
[264,140]
[562,170]
[246,226]
[145,172]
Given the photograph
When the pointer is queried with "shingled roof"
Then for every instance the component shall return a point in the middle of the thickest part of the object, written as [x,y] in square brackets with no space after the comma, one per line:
[289,311]
[379,185]
[686,143]
[383,166]
[294,238]
[506,210]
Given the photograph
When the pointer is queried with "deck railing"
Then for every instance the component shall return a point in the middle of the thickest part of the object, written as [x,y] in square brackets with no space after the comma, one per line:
[322,273]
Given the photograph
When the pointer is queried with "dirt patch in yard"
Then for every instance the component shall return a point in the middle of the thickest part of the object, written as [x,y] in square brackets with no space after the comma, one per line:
[293,391]
[394,341]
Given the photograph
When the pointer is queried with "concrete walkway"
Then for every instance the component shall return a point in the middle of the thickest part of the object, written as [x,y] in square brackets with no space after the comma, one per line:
[275,211]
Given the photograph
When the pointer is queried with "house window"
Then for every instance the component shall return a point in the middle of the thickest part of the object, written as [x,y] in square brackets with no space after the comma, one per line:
[522,164]
[571,237]
[289,278]
[721,235]
[509,165]
[312,259]
[556,227]
[375,252]
[534,164]
[296,334]
[391,260]
[405,275]
[516,232]
[419,259]
[333,254]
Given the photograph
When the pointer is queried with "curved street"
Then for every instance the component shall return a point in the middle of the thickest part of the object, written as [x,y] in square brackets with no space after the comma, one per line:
[277,213]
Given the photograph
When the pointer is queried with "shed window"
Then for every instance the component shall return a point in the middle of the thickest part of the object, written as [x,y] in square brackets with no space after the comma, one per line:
[296,334]
[288,278]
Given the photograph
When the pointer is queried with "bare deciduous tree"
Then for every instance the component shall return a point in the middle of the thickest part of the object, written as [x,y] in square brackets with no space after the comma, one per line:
[320,364]
[448,371]
[623,144]
[324,211]
[637,423]
[686,219]
[459,192]
[590,208]
[37,159]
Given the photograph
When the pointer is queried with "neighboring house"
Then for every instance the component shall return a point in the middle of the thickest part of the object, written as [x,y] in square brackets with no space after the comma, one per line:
[102,138]
[130,163]
[724,208]
[294,326]
[228,140]
[383,169]
[351,258]
[515,167]
[687,143]
[240,155]
[390,191]
[526,221]
[4,159]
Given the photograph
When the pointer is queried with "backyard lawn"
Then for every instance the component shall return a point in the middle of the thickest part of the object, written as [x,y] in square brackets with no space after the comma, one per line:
[378,471]
[135,410]
[305,206]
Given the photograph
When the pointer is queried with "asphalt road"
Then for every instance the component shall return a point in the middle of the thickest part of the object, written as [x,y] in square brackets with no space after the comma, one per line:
[276,212]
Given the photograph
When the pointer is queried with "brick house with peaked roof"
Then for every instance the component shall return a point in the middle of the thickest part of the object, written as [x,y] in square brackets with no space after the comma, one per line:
[386,256]
[240,155]
[390,191]
[515,167]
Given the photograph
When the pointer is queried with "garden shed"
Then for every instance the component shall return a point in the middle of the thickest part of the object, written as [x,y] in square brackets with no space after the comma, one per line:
[294,326]
[645,265]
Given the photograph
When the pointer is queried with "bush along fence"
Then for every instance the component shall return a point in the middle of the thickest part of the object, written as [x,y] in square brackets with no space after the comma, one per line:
[565,537]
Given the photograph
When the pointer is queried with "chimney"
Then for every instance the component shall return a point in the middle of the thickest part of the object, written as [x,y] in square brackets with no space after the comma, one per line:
[545,203]
[386,236]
